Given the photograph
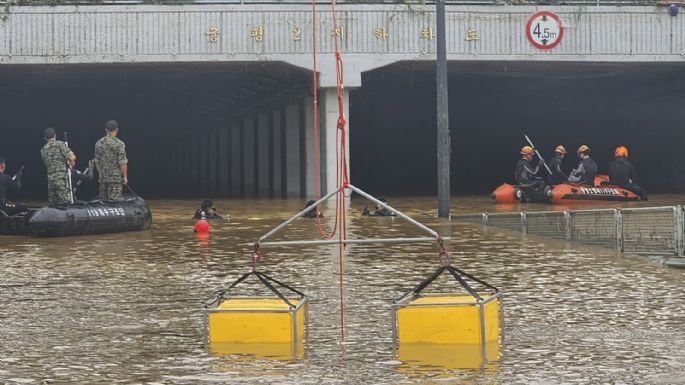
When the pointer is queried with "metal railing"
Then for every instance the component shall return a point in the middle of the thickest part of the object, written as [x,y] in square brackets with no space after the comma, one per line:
[644,230]
[371,2]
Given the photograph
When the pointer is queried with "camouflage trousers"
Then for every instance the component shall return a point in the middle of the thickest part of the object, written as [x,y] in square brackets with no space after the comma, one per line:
[58,191]
[110,191]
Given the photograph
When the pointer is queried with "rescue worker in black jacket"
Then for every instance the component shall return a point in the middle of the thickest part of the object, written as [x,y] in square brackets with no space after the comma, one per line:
[525,173]
[558,175]
[586,171]
[7,184]
[622,173]
[532,186]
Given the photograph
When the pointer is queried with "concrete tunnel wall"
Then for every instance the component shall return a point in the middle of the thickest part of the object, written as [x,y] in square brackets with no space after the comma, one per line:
[197,130]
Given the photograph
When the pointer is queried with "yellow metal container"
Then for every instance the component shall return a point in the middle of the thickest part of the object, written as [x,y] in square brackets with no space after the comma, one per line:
[256,320]
[448,319]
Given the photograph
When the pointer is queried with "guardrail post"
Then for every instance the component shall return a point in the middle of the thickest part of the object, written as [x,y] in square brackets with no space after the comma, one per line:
[524,223]
[618,219]
[567,224]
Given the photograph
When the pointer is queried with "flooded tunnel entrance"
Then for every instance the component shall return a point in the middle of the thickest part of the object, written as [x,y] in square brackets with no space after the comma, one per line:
[393,134]
[170,117]
[196,129]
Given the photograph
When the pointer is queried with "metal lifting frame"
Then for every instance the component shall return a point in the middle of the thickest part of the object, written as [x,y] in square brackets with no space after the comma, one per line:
[434,235]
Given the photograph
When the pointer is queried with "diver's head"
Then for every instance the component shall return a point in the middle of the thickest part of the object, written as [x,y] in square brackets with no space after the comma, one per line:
[207,206]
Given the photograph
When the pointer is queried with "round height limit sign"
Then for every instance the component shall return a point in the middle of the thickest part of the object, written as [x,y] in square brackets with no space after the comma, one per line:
[544,30]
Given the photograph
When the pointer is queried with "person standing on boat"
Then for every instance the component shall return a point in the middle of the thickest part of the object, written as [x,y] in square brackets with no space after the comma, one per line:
[57,158]
[622,173]
[558,175]
[111,163]
[8,183]
[586,171]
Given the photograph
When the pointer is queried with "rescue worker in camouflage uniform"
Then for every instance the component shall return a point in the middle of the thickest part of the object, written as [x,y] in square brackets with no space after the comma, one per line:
[111,163]
[57,158]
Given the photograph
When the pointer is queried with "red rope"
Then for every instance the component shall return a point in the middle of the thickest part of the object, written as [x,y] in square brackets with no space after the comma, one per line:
[341,174]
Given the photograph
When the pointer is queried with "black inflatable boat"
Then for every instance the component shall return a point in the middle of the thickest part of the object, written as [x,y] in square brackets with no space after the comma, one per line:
[126,214]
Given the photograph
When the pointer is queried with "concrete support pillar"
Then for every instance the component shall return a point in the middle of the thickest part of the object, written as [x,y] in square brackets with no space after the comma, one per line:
[224,147]
[277,154]
[328,127]
[263,166]
[249,157]
[292,152]
[308,114]
[236,160]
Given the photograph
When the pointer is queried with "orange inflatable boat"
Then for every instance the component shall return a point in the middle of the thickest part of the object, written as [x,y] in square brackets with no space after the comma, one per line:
[564,193]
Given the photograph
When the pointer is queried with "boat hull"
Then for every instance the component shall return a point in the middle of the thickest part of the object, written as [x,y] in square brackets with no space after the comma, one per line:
[127,214]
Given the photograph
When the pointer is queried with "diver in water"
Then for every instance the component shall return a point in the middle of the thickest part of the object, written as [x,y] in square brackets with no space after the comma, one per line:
[622,173]
[557,176]
[586,171]
[7,184]
[378,210]
[207,211]
[312,212]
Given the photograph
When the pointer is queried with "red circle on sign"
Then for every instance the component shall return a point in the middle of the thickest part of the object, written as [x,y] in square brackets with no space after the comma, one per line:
[532,40]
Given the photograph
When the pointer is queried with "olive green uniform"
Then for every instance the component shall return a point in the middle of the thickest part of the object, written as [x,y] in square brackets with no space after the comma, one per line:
[55,154]
[110,153]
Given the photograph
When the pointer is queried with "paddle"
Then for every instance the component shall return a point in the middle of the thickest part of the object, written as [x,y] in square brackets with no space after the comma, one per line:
[71,190]
[542,160]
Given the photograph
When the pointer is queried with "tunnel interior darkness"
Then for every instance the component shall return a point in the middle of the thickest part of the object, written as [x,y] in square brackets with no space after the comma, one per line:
[392,117]
[491,105]
[156,105]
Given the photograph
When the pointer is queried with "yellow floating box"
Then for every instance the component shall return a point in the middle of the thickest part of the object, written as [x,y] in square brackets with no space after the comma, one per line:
[448,319]
[256,320]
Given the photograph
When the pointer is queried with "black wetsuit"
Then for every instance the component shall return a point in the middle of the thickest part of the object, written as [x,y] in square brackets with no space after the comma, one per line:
[198,215]
[311,214]
[7,185]
[622,174]
[381,212]
[585,173]
[558,175]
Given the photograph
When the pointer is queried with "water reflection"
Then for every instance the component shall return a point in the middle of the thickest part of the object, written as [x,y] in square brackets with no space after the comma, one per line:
[127,308]
[419,358]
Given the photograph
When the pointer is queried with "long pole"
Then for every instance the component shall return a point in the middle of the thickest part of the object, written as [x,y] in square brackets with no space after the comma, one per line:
[443,115]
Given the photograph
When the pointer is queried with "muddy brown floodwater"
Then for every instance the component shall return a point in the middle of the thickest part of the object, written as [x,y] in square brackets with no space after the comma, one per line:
[127,308]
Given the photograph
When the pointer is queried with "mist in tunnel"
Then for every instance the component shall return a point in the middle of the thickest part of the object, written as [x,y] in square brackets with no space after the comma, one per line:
[492,105]
[161,108]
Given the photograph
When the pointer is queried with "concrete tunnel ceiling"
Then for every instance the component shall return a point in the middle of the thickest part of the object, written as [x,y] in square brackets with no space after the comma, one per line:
[392,116]
[151,102]
[393,135]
